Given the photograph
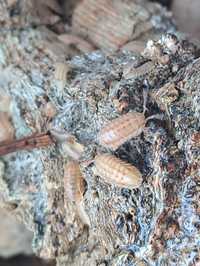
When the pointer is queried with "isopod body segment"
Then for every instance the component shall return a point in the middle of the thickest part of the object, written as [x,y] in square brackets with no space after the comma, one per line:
[115,171]
[121,129]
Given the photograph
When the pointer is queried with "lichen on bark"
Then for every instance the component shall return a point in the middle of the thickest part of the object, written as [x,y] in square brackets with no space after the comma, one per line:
[155,224]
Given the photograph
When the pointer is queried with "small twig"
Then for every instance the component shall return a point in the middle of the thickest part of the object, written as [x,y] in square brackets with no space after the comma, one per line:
[27,143]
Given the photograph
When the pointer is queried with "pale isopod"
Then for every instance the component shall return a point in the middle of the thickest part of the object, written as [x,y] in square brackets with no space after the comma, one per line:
[61,70]
[122,129]
[73,181]
[74,189]
[117,172]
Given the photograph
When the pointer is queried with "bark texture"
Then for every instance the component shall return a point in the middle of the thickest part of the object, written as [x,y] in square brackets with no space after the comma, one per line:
[155,224]
[112,24]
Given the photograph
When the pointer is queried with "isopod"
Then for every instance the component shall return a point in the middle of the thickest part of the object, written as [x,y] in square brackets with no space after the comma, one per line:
[73,181]
[61,70]
[122,129]
[74,188]
[117,172]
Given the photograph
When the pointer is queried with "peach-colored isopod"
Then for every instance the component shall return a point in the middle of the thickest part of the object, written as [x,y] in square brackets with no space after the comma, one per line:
[74,189]
[73,181]
[122,129]
[117,172]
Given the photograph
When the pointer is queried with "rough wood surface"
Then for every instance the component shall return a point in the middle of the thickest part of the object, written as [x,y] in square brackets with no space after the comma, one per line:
[155,224]
[112,24]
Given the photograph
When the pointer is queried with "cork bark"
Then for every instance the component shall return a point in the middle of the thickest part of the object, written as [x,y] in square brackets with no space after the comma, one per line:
[155,224]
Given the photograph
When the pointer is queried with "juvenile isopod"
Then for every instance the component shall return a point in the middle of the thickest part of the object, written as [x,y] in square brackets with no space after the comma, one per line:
[73,181]
[115,171]
[74,188]
[61,70]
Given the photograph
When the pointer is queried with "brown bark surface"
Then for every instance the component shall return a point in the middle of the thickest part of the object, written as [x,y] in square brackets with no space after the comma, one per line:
[155,224]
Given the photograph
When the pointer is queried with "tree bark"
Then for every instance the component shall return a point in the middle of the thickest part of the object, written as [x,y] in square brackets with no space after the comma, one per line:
[155,224]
